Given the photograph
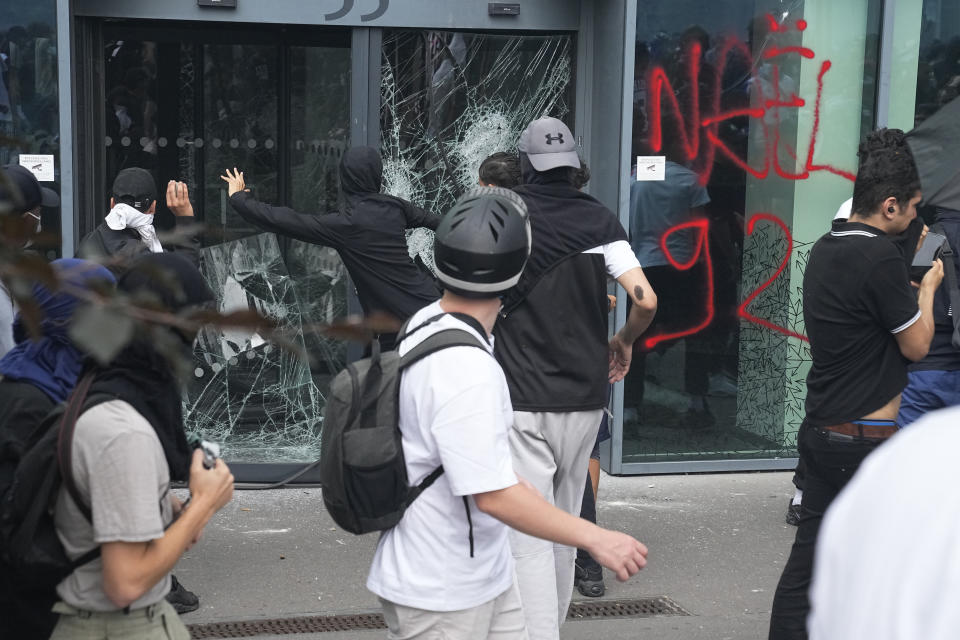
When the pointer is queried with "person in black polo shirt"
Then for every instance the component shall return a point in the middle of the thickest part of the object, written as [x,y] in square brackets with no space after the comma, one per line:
[864,321]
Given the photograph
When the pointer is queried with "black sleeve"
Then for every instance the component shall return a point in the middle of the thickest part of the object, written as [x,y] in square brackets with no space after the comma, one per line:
[301,226]
[888,295]
[86,250]
[417,217]
[187,244]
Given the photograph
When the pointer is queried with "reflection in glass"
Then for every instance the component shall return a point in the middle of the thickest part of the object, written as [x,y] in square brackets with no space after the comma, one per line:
[730,102]
[938,72]
[451,99]
[319,124]
[29,108]
[240,98]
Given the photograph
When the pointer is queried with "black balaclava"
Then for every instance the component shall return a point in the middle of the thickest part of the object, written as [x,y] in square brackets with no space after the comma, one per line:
[142,376]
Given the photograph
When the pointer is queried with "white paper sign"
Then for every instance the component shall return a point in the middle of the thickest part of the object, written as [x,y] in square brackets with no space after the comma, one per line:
[651,167]
[40,165]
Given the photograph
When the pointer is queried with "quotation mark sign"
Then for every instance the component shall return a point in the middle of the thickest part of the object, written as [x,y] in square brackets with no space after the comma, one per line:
[367,17]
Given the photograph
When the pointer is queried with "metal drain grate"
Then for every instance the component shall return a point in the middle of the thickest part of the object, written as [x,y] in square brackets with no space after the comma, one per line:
[287,626]
[640,608]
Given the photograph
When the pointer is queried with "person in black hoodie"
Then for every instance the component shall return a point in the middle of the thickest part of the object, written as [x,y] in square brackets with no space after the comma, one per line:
[553,347]
[368,231]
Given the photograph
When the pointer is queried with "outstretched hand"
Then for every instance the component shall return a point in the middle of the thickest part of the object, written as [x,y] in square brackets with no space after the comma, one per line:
[234,181]
[178,199]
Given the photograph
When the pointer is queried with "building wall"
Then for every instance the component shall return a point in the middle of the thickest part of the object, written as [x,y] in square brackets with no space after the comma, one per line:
[382,62]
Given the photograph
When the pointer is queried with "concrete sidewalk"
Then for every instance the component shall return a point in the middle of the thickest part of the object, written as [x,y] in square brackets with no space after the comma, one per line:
[717,545]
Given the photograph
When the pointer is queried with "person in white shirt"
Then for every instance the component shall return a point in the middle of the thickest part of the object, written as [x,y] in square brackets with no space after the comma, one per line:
[446,569]
[888,558]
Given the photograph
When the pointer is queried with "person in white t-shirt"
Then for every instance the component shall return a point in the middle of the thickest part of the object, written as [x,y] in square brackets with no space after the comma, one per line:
[888,557]
[446,569]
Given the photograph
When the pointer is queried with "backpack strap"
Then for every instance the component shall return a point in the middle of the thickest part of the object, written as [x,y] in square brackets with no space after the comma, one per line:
[437,342]
[415,492]
[950,275]
[404,333]
[75,406]
[68,424]
[371,384]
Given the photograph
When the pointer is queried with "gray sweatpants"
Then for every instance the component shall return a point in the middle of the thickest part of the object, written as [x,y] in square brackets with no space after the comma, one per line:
[498,619]
[551,451]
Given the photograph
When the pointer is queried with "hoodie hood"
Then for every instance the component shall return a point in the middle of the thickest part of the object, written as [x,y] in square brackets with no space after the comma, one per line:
[361,171]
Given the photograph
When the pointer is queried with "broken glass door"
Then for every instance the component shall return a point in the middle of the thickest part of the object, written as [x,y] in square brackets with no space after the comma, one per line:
[450,99]
[185,104]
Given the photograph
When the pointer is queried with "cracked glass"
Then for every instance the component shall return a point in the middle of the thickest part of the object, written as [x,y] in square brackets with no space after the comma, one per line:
[255,398]
[450,99]
[184,104]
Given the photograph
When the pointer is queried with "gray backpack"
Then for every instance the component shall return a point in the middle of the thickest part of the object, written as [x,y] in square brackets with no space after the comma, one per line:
[362,469]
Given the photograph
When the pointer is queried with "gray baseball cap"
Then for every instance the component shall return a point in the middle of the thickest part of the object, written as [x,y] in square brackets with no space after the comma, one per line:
[549,144]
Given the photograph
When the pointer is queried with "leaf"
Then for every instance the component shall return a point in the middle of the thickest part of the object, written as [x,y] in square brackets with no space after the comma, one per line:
[291,347]
[362,329]
[34,268]
[182,235]
[101,331]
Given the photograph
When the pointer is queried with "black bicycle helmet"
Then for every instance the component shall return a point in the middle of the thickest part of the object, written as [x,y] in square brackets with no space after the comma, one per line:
[482,244]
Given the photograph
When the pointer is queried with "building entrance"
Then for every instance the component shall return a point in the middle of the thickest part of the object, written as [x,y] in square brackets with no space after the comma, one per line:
[186,102]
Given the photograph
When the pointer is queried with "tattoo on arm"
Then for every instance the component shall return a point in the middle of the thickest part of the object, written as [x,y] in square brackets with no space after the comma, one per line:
[638,292]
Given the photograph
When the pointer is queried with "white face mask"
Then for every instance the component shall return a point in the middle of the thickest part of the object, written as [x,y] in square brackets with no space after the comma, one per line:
[123,216]
[36,231]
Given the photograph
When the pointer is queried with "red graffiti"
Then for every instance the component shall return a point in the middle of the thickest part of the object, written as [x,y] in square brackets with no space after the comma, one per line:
[742,309]
[773,52]
[700,154]
[702,244]
[776,27]
[702,250]
[689,133]
[689,125]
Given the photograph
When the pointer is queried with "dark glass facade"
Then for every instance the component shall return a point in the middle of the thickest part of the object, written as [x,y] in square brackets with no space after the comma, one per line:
[752,108]
[29,109]
[756,112]
[186,103]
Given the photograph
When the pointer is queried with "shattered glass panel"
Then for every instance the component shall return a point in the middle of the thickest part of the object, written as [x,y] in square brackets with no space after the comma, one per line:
[320,285]
[451,99]
[256,399]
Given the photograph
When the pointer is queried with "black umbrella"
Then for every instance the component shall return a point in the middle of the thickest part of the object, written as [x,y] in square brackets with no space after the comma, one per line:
[934,144]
